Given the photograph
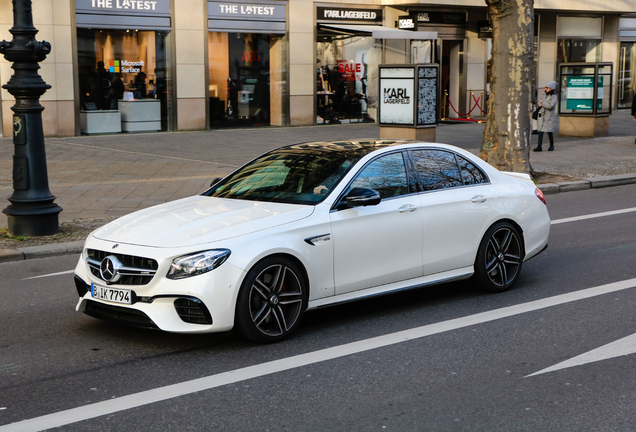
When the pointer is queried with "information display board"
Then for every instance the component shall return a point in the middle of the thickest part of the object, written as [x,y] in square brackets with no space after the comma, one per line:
[580,93]
[409,95]
[585,89]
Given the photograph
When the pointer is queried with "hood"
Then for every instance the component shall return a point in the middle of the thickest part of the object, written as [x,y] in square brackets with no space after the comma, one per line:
[197,220]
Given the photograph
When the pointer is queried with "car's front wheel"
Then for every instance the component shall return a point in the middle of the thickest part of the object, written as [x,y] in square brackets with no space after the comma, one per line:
[271,301]
[499,258]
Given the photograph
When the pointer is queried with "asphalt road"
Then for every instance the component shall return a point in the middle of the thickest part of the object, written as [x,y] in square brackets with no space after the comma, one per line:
[438,359]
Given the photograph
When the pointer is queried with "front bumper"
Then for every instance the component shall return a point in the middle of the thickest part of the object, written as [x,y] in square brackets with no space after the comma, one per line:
[200,304]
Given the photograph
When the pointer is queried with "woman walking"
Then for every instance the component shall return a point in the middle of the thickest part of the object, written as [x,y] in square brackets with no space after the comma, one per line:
[545,121]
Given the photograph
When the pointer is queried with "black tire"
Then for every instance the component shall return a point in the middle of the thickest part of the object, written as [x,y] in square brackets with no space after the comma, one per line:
[272,300]
[499,258]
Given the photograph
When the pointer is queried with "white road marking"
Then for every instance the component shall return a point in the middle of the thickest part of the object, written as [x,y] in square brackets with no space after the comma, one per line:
[50,274]
[111,406]
[621,347]
[592,216]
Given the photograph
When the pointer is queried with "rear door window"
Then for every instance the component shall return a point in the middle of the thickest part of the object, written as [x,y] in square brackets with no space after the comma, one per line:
[437,169]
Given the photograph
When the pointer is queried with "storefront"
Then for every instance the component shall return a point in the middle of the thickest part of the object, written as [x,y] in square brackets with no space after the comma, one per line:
[125,66]
[350,45]
[247,46]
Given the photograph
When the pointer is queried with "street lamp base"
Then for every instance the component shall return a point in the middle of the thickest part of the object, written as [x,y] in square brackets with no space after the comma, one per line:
[34,225]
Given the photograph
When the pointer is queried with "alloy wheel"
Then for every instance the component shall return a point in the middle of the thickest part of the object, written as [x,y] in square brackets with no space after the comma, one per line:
[503,257]
[275,300]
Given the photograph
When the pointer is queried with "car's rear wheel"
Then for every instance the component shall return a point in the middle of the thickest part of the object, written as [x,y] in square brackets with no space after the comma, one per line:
[499,258]
[272,300]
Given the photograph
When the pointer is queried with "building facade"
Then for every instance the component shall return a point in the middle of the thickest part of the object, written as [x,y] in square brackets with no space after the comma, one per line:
[120,66]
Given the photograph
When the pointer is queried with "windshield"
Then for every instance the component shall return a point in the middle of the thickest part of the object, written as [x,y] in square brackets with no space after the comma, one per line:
[288,176]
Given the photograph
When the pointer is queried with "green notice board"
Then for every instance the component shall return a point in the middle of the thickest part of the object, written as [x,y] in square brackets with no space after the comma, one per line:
[580,93]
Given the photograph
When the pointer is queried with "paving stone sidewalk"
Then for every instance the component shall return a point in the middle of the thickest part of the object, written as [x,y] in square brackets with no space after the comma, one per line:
[99,178]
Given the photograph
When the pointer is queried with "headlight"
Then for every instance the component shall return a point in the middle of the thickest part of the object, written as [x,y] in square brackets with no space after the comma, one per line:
[197,263]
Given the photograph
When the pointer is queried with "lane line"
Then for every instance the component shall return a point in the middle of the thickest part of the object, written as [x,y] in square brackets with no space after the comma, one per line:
[50,274]
[621,347]
[592,216]
[135,400]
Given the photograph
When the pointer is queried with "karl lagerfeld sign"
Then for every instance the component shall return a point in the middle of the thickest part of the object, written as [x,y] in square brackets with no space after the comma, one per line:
[346,14]
[407,22]
[396,95]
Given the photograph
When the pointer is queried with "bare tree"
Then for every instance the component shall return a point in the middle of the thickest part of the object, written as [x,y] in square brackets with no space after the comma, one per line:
[506,142]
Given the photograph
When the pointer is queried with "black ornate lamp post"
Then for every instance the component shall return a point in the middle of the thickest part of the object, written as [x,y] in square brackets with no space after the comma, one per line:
[32,210]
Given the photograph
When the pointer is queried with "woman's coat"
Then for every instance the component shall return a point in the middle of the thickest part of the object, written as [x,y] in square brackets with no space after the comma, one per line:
[545,122]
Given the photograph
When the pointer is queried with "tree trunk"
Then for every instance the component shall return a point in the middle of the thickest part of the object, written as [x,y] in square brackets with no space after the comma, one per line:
[507,133]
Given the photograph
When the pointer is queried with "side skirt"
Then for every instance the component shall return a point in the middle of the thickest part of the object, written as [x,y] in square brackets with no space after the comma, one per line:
[434,279]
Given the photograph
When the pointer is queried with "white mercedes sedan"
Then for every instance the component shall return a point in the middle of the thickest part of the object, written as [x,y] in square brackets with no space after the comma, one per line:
[311,225]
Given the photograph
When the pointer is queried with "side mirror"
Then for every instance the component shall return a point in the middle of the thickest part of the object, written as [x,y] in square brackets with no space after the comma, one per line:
[361,197]
[215,181]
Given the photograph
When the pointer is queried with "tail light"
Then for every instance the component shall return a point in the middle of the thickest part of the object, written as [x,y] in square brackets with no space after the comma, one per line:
[539,195]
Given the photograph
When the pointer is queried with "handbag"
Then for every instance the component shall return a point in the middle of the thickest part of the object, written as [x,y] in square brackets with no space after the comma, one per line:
[535,114]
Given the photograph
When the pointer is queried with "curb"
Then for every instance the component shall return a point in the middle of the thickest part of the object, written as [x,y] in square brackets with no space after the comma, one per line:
[593,183]
[44,251]
[56,249]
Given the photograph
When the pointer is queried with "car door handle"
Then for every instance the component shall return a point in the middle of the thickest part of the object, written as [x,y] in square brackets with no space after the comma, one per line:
[479,199]
[407,208]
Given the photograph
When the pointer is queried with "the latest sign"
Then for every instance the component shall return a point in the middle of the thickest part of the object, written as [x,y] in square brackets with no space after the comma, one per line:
[150,8]
[140,5]
[246,9]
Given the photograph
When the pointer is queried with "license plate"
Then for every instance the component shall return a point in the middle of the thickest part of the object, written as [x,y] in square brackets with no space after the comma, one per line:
[114,295]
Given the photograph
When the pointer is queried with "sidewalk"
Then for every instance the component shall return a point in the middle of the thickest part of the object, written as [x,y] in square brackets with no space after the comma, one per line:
[98,178]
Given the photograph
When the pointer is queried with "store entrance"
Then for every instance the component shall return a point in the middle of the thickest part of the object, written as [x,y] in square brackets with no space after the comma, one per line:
[346,81]
[450,56]
[246,80]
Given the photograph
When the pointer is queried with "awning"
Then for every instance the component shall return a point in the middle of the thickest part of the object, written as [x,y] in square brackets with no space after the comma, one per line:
[381,32]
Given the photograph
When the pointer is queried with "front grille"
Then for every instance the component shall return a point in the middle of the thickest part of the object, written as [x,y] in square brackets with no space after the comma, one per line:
[136,270]
[193,311]
[119,315]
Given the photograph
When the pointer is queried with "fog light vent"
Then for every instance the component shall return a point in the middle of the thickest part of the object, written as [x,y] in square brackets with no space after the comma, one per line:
[192,311]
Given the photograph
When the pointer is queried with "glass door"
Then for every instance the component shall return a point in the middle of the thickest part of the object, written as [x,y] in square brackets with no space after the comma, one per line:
[626,65]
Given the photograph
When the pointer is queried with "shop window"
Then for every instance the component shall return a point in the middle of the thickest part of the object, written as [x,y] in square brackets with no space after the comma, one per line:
[422,51]
[247,79]
[579,39]
[123,65]
[346,78]
[579,50]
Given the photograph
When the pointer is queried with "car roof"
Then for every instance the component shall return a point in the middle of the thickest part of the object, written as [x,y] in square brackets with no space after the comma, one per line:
[357,148]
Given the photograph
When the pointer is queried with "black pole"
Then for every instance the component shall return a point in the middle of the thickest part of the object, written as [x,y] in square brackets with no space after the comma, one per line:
[32,211]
